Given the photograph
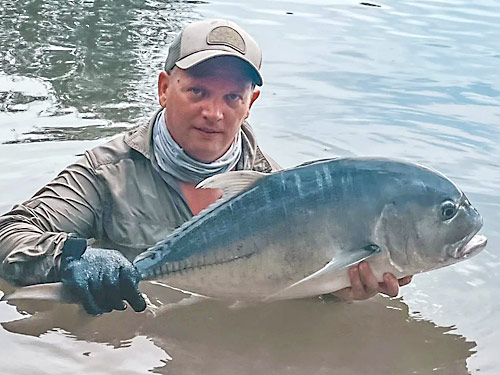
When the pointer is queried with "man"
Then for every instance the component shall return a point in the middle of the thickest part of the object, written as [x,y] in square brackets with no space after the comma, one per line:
[131,192]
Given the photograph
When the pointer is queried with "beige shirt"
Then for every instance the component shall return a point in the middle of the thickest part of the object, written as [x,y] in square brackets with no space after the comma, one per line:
[113,194]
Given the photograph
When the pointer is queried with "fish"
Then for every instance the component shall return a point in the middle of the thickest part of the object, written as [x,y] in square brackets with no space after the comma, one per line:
[294,233]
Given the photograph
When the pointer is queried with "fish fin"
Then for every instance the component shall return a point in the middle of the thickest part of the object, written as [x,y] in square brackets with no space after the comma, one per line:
[41,292]
[354,257]
[343,262]
[231,183]
[317,161]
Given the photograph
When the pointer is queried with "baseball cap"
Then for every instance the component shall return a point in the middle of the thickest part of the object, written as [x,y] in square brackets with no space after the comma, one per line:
[202,40]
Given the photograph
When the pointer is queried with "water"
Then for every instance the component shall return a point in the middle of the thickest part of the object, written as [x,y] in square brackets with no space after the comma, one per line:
[413,79]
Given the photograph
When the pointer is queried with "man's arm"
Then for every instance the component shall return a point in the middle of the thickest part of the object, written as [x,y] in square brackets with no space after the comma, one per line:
[33,234]
[44,240]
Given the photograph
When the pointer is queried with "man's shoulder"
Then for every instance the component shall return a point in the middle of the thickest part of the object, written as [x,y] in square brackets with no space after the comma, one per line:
[264,163]
[129,145]
[260,161]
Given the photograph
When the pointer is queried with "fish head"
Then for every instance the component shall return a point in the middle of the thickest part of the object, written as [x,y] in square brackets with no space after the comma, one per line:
[429,223]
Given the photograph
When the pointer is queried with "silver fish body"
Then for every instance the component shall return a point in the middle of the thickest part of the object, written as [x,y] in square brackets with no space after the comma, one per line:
[294,233]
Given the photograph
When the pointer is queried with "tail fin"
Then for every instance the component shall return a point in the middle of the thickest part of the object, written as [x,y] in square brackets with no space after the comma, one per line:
[41,292]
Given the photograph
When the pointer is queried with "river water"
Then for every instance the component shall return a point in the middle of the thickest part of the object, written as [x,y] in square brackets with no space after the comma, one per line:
[411,79]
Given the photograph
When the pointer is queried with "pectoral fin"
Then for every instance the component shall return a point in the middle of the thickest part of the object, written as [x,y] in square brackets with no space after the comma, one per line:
[320,279]
[347,260]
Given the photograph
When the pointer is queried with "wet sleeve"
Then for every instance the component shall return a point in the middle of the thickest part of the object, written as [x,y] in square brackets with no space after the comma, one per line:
[33,233]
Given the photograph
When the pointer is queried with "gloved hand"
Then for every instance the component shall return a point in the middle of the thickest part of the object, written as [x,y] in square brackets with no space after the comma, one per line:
[101,279]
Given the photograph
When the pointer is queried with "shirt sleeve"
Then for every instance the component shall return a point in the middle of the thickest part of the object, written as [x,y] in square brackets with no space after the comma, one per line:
[33,233]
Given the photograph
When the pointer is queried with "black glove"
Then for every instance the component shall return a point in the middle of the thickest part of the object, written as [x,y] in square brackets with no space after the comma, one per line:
[101,279]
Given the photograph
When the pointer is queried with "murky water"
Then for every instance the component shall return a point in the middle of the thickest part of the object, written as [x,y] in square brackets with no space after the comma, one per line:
[413,79]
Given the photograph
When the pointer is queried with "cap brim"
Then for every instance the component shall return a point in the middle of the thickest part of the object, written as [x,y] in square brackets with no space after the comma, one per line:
[199,57]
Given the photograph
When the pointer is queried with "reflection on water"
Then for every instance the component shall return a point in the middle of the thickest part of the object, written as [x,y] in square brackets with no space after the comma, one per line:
[318,336]
[412,79]
[98,56]
[31,115]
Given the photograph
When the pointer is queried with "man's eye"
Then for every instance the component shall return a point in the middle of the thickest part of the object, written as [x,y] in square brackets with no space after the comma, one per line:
[233,97]
[195,90]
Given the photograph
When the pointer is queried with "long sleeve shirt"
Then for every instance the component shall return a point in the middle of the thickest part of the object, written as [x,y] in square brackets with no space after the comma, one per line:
[114,195]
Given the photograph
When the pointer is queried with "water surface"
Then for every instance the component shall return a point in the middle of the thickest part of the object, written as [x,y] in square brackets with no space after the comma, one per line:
[416,80]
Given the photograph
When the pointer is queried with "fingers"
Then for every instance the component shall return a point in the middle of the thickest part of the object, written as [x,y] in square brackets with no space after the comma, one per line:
[389,286]
[112,298]
[129,289]
[111,295]
[117,287]
[368,279]
[87,300]
[99,296]
[363,283]
[405,280]
[357,289]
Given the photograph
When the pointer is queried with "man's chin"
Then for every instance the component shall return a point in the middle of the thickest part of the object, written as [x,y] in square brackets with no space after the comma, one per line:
[205,156]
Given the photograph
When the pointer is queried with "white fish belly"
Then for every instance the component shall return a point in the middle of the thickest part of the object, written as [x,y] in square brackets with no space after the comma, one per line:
[251,278]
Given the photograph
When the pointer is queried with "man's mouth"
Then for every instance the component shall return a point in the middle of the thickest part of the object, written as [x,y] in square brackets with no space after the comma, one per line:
[208,130]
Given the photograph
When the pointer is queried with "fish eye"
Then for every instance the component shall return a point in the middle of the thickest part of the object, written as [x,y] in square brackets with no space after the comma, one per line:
[448,210]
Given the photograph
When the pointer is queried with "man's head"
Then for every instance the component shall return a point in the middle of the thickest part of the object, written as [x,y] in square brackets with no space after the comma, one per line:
[208,86]
[202,40]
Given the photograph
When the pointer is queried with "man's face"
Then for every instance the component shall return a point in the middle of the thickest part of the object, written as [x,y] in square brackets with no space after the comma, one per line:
[206,105]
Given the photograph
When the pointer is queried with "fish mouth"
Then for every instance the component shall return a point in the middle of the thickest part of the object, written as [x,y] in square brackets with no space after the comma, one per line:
[471,247]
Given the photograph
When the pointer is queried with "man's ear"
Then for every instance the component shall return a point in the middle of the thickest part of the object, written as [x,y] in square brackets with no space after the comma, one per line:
[163,82]
[254,97]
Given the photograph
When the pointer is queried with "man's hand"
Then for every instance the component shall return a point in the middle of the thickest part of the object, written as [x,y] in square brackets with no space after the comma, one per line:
[364,284]
[102,280]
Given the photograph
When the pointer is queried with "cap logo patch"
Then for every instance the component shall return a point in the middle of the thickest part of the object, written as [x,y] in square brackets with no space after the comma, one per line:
[227,36]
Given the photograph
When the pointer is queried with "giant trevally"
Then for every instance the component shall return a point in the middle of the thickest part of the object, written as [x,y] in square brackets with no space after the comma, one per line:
[294,233]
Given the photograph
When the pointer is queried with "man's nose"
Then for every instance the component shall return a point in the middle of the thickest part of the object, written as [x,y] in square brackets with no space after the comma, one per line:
[212,110]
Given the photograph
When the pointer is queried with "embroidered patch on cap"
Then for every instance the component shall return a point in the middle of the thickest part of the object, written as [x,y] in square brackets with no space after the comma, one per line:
[227,36]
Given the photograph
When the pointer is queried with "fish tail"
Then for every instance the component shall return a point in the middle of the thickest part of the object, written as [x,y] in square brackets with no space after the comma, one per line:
[41,292]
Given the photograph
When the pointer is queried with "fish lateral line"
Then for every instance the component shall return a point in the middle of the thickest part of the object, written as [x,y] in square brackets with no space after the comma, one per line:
[162,269]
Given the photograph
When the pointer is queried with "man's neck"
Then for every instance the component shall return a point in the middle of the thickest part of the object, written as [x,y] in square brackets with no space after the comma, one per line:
[199,199]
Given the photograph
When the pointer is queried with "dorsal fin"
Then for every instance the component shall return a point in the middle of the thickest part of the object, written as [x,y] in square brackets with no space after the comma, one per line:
[231,183]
